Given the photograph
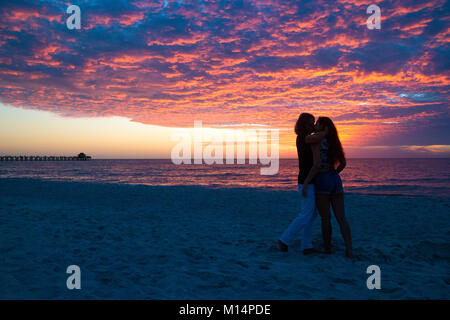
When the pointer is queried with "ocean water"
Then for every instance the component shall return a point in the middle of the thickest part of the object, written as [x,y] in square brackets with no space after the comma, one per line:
[429,177]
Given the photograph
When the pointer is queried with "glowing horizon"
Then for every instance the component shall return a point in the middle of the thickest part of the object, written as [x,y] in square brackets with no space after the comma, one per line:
[45,133]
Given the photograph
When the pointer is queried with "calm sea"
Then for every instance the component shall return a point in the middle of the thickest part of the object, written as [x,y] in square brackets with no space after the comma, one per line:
[369,176]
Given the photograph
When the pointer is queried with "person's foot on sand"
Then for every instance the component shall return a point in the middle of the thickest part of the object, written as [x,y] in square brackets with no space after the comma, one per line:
[349,255]
[311,251]
[283,247]
[327,251]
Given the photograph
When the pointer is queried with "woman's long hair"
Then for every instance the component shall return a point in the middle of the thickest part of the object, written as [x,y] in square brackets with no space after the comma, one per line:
[301,127]
[335,150]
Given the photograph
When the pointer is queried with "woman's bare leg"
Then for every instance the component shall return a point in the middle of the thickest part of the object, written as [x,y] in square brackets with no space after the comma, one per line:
[337,202]
[323,205]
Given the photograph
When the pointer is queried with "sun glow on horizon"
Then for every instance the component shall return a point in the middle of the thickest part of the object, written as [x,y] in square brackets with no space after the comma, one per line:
[33,132]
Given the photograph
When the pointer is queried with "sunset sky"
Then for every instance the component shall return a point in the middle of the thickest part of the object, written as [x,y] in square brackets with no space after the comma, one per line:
[136,70]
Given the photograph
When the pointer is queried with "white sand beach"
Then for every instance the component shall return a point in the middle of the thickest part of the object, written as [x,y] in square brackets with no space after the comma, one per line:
[166,242]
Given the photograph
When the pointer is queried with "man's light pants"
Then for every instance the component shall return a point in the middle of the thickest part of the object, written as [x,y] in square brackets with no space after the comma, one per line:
[304,219]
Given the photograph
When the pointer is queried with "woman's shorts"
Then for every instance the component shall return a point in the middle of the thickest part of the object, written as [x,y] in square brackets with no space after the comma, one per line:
[328,182]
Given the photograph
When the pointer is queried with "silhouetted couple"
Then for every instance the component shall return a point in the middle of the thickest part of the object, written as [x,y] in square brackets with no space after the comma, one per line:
[321,159]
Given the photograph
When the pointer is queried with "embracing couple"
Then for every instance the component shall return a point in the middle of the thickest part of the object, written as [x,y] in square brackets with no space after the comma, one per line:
[321,159]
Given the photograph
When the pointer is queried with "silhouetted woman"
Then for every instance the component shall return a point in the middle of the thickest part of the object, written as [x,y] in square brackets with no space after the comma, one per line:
[328,184]
[303,128]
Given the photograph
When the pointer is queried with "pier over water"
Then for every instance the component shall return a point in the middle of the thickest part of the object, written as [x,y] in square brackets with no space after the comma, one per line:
[80,157]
